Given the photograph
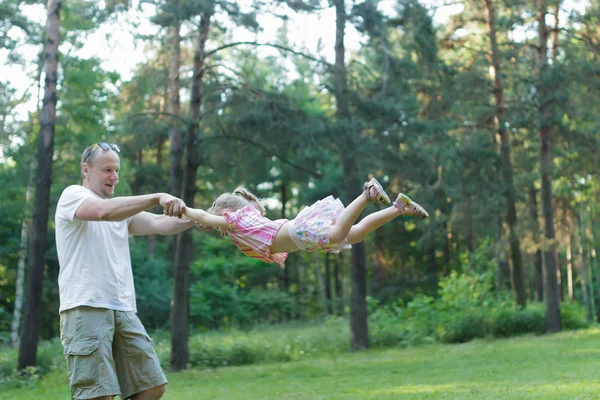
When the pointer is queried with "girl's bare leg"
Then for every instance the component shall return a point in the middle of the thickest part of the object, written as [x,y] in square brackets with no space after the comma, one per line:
[347,218]
[372,193]
[371,222]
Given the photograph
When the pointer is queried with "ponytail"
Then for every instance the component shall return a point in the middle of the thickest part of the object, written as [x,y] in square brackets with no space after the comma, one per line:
[244,193]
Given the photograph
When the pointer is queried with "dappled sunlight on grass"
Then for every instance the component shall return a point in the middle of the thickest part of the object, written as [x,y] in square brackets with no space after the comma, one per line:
[413,389]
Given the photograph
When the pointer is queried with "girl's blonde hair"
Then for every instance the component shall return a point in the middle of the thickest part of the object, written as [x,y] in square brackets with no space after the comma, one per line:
[240,198]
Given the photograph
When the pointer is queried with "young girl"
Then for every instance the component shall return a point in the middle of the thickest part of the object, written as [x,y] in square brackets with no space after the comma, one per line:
[326,226]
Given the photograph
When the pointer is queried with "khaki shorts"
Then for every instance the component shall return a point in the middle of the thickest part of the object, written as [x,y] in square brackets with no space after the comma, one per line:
[108,353]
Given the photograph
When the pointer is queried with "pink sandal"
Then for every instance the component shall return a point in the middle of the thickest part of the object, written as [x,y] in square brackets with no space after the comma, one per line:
[375,193]
[410,207]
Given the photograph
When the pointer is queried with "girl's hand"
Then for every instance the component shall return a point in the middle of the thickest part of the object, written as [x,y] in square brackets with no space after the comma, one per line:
[203,227]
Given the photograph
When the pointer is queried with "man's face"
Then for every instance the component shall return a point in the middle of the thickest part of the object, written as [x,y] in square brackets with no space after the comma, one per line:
[102,175]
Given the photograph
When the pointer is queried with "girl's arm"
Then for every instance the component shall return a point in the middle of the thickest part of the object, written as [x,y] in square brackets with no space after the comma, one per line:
[202,217]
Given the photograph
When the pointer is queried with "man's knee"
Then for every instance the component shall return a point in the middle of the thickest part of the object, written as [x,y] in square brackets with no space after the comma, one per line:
[151,394]
[160,390]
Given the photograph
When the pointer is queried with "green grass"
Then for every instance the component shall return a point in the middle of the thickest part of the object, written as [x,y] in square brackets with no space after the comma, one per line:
[561,366]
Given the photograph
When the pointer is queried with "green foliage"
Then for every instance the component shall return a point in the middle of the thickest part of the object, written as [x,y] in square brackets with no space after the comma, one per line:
[263,344]
[467,307]
[49,358]
[153,285]
[506,321]
[230,288]
[461,326]
[572,316]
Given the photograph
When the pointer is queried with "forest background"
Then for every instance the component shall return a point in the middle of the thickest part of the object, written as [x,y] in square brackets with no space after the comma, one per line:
[487,116]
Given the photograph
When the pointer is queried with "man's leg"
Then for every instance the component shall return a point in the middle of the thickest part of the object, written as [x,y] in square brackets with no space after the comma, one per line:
[150,394]
[138,367]
[86,334]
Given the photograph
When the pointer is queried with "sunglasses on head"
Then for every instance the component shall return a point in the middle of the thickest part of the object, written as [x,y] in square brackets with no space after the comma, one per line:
[104,146]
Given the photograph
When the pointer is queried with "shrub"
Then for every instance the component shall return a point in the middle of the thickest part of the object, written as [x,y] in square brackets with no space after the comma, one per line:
[573,316]
[49,357]
[462,326]
[507,321]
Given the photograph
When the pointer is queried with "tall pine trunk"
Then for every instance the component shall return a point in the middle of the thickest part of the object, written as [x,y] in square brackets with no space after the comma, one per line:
[337,283]
[328,283]
[183,254]
[358,302]
[551,292]
[586,278]
[595,261]
[25,229]
[37,249]
[570,246]
[517,279]
[379,276]
[174,108]
[285,275]
[537,266]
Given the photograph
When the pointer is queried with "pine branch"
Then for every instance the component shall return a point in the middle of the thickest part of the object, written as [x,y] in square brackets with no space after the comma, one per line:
[298,53]
[157,113]
[316,174]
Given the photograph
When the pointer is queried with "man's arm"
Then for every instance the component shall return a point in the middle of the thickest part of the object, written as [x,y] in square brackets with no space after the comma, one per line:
[146,223]
[120,208]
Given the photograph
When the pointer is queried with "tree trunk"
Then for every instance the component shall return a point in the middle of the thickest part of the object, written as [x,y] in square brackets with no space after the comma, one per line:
[561,289]
[470,245]
[537,269]
[596,268]
[339,293]
[285,276]
[555,28]
[570,264]
[16,322]
[545,119]
[176,169]
[300,290]
[507,169]
[358,301]
[180,309]
[586,281]
[25,226]
[37,249]
[447,245]
[160,141]
[321,296]
[503,266]
[328,283]
[432,263]
[379,277]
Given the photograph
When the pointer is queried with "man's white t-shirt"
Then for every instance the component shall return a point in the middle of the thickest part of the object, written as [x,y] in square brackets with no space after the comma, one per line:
[94,258]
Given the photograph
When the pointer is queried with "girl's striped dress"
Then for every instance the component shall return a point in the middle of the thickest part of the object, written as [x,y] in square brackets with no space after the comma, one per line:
[253,234]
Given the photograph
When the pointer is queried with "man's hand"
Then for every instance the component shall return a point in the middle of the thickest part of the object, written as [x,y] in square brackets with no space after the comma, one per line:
[173,206]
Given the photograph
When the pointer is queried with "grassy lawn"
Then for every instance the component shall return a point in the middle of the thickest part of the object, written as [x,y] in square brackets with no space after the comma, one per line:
[561,366]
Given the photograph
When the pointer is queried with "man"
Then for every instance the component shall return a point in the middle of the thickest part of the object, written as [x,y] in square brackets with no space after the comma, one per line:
[107,349]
